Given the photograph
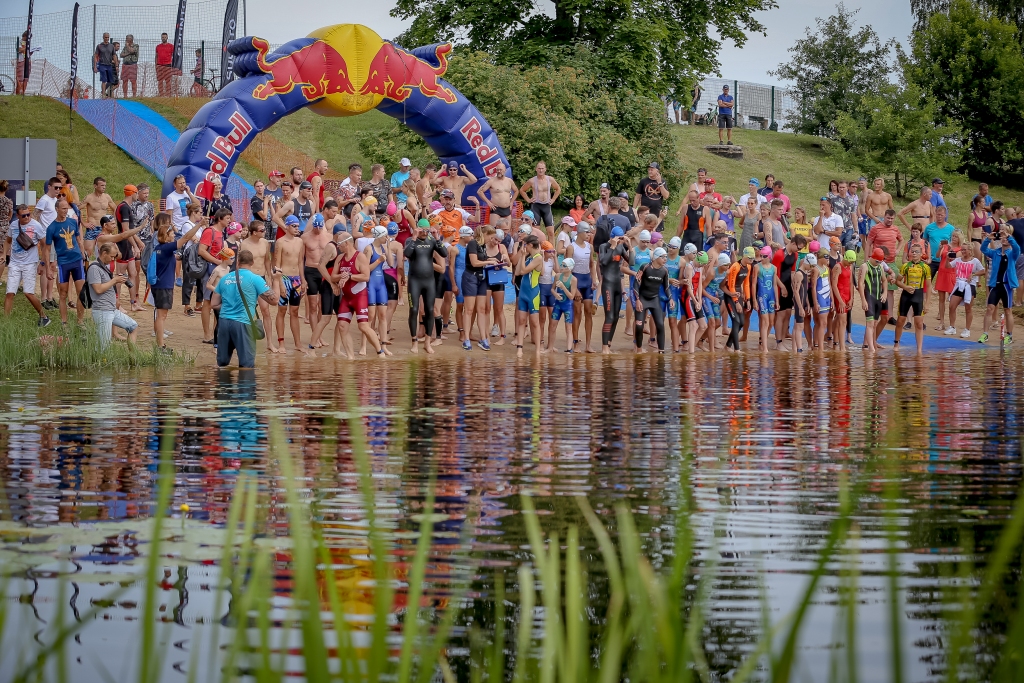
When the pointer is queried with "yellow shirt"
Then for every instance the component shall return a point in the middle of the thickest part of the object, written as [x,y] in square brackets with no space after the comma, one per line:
[801,229]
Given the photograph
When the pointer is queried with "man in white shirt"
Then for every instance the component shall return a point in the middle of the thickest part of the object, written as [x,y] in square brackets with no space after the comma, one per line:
[754,186]
[45,213]
[827,223]
[176,204]
[24,262]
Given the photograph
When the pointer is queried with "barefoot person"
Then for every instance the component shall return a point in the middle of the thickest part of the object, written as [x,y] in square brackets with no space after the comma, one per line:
[502,191]
[913,279]
[97,205]
[528,301]
[585,272]
[541,192]
[65,235]
[419,251]
[455,182]
[314,239]
[289,257]
[351,273]
[262,265]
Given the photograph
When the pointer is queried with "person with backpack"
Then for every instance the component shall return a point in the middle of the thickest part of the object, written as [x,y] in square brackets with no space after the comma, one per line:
[104,298]
[193,266]
[160,271]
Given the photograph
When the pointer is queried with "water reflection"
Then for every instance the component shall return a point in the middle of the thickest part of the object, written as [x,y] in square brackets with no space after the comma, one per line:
[767,438]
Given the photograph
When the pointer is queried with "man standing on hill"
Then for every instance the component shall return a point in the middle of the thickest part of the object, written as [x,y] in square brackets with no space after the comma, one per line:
[103,64]
[651,191]
[164,58]
[937,185]
[543,193]
[725,114]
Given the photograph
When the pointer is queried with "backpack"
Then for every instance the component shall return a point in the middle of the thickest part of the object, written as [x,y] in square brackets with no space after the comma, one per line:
[85,296]
[192,263]
[151,267]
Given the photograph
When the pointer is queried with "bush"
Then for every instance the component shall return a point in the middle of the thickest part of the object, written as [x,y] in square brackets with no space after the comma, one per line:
[587,134]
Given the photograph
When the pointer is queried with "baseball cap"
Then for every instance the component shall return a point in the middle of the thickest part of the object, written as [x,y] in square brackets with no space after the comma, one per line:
[658,253]
[940,181]
[604,186]
[724,260]
[528,215]
[392,228]
[814,247]
[709,181]
[755,182]
[675,242]
[404,161]
[106,219]
[654,164]
[568,263]
[851,255]
[766,251]
[878,254]
[305,185]
[811,260]
[861,178]
[318,220]
[618,232]
[748,252]
[525,229]
[453,164]
[447,194]
[275,174]
[234,228]
[623,195]
[569,220]
[690,248]
[291,220]
[379,231]
[702,257]
[547,246]
[130,189]
[644,236]
[423,223]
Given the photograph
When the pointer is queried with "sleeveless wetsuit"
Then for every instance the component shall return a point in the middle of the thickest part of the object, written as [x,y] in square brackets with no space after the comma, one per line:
[378,290]
[353,294]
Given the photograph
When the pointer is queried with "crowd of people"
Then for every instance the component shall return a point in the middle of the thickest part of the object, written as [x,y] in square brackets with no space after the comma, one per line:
[312,257]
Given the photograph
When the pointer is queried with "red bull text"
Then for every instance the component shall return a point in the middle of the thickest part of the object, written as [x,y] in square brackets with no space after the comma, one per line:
[318,68]
[487,156]
[394,73]
[227,146]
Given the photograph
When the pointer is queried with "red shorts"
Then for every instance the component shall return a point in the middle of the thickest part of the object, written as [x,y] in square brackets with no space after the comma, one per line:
[357,303]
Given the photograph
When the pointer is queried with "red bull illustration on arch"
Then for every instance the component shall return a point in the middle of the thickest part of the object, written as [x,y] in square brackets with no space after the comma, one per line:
[341,70]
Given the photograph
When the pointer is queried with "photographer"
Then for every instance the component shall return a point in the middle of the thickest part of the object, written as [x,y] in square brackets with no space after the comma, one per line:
[1002,252]
[104,299]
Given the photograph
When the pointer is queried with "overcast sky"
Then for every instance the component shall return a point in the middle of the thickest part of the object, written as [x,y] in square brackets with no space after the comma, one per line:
[751,62]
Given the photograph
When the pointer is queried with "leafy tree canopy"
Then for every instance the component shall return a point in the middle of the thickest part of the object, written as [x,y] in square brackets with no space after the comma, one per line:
[585,133]
[833,67]
[650,46]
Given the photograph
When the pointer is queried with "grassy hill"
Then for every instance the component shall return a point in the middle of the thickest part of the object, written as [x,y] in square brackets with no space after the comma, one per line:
[83,150]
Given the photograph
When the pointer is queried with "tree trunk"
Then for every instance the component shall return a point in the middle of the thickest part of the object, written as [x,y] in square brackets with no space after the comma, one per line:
[564,29]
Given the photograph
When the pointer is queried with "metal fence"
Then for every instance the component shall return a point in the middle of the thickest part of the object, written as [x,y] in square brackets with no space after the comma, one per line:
[757,104]
[204,22]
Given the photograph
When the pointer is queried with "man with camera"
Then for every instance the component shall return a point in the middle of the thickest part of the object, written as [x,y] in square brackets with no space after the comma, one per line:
[1002,251]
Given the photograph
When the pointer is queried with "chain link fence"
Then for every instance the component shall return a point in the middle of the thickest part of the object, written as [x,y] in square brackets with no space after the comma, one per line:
[51,35]
[758,105]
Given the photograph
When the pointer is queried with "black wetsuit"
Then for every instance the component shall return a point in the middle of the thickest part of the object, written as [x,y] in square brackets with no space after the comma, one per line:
[736,308]
[420,253]
[649,285]
[610,261]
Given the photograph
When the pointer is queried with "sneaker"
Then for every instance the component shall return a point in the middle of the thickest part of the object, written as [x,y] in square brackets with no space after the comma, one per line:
[484,344]
[983,338]
[45,303]
[966,334]
[495,331]
[178,282]
[950,331]
[44,321]
[467,345]
[1007,340]
[892,321]
[190,312]
[907,326]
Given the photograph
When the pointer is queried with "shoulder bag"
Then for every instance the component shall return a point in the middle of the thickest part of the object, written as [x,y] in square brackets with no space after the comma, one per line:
[256,324]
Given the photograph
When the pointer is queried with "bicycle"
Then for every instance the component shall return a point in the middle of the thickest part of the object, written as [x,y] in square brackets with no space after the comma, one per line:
[709,119]
[7,85]
[207,86]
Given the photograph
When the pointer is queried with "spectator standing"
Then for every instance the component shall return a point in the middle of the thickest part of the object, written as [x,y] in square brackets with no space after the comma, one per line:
[651,191]
[236,297]
[398,179]
[725,114]
[164,70]
[316,183]
[197,76]
[129,65]
[104,298]
[65,235]
[937,200]
[694,101]
[163,290]
[103,64]
[20,77]
[24,263]
[45,212]
[769,185]
[218,201]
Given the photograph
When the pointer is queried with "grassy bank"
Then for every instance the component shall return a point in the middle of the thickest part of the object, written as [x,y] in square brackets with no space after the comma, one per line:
[83,150]
[25,347]
[544,629]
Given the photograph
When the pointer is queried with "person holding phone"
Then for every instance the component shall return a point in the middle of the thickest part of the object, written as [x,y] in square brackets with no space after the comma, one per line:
[1002,250]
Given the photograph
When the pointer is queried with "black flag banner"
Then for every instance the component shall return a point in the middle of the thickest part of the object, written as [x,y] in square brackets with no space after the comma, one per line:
[179,37]
[227,60]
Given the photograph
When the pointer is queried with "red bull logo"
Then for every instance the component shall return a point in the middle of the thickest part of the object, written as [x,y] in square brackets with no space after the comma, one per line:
[318,68]
[394,73]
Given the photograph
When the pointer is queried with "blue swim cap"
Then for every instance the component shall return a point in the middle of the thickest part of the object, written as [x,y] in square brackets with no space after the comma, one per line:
[318,220]
[339,227]
[392,228]
[528,214]
[618,232]
[291,220]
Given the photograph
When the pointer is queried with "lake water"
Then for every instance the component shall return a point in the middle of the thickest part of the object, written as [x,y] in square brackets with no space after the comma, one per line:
[766,439]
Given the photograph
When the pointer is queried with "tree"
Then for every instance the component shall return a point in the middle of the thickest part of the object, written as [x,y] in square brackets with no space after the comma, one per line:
[650,46]
[586,134]
[1007,10]
[969,61]
[895,136]
[833,67]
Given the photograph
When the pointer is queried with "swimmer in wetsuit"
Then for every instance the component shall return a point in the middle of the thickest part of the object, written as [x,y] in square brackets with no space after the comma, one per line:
[420,250]
[736,289]
[651,287]
[612,256]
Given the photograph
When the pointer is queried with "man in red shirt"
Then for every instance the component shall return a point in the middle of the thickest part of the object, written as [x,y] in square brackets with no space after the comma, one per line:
[885,235]
[778,194]
[316,179]
[210,246]
[164,57]
[709,190]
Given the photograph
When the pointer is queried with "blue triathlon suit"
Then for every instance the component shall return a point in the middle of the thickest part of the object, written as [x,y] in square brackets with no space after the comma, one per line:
[377,293]
[766,290]
[460,268]
[529,290]
[673,306]
[563,305]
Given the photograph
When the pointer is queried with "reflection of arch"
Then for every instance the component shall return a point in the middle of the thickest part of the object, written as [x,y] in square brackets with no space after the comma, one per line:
[341,70]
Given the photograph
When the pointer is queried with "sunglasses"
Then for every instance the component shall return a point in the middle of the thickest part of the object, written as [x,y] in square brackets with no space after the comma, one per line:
[57,187]
[24,215]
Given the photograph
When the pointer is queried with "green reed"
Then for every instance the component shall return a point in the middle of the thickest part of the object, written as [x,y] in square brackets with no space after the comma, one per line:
[25,347]
[652,629]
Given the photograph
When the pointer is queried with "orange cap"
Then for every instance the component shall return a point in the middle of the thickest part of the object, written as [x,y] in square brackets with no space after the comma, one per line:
[227,253]
[130,189]
[547,246]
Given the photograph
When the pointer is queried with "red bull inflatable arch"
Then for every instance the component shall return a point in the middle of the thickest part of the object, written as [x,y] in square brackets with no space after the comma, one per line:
[340,70]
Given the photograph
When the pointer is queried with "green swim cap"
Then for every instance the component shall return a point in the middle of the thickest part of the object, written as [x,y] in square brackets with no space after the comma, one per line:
[851,255]
[748,252]
[702,257]
[423,223]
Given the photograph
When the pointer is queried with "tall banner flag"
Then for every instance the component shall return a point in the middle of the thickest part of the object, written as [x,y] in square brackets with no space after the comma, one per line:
[28,44]
[227,60]
[179,37]
[74,64]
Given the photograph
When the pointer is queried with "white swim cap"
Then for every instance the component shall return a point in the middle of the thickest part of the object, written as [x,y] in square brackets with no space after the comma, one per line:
[644,236]
[568,263]
[724,260]
[500,234]
[379,231]
[525,229]
[690,248]
[466,231]
[675,242]
[659,252]
[811,260]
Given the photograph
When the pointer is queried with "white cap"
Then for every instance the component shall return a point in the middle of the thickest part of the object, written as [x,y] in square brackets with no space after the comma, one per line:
[499,233]
[583,226]
[404,162]
[466,231]
[659,252]
[675,242]
[568,263]
[690,248]
[379,231]
[724,260]
[525,229]
[644,236]
[811,260]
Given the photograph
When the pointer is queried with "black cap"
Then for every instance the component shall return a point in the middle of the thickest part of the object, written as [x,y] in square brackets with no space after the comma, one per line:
[623,195]
[305,185]
[654,164]
[940,181]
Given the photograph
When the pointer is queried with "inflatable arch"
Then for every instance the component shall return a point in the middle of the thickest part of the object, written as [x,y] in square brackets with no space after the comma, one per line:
[340,70]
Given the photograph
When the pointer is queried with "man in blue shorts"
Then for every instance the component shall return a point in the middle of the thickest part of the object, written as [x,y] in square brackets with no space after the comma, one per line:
[66,237]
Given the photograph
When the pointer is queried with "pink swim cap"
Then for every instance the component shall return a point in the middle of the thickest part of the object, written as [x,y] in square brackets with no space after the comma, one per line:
[655,237]
[814,247]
